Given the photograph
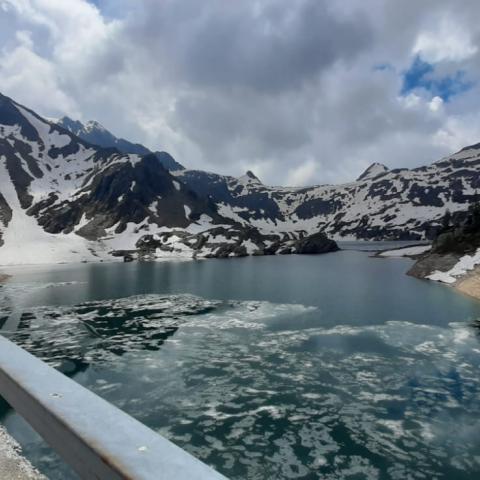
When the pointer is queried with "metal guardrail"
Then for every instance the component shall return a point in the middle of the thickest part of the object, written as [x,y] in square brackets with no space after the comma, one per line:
[96,439]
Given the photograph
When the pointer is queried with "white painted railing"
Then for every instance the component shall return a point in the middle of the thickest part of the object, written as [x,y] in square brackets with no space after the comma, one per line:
[96,439]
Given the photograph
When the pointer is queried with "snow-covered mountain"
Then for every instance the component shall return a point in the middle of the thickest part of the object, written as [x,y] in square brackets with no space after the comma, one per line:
[380,204]
[96,134]
[397,204]
[63,199]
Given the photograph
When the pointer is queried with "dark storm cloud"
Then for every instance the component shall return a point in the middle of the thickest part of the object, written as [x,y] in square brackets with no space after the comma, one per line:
[267,46]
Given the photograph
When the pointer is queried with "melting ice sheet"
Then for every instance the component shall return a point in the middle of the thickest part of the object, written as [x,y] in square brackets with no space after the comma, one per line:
[398,400]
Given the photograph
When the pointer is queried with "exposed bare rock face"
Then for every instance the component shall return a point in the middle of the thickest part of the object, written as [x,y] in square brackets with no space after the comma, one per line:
[433,262]
[316,243]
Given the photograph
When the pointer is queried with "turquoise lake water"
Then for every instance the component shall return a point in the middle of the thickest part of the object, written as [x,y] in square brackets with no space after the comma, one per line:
[334,366]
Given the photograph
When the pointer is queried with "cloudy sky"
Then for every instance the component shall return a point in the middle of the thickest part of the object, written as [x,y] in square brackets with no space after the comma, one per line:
[299,91]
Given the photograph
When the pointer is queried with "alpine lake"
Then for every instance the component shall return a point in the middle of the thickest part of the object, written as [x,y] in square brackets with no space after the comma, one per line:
[335,366]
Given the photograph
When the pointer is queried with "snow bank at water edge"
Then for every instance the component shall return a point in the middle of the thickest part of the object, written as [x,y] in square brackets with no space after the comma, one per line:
[406,252]
[465,264]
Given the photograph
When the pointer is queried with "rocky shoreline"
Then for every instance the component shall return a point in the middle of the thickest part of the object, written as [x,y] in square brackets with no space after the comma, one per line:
[433,267]
[224,242]
[455,255]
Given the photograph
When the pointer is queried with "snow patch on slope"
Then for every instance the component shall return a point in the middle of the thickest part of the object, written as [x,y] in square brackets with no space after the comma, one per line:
[50,137]
[27,243]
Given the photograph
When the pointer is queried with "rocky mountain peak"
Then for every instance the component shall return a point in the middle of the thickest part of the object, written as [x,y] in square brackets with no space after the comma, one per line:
[249,177]
[74,126]
[169,162]
[95,133]
[374,170]
[93,125]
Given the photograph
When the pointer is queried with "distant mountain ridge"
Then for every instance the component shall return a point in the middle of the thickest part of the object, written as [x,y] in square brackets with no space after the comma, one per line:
[382,203]
[96,134]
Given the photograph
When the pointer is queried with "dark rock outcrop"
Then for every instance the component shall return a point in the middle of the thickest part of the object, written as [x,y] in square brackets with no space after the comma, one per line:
[5,215]
[316,243]
[221,242]
[432,262]
[452,242]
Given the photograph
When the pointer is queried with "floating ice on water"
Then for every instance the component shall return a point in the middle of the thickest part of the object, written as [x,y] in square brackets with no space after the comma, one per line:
[100,329]
[261,403]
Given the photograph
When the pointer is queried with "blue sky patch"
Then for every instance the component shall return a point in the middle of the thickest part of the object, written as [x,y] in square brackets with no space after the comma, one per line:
[421,74]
